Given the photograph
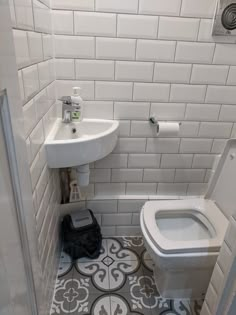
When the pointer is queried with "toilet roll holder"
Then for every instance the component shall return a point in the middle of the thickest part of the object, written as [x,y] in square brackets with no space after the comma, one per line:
[153,120]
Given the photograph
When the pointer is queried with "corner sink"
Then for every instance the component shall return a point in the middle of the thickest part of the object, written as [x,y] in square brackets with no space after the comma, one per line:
[79,143]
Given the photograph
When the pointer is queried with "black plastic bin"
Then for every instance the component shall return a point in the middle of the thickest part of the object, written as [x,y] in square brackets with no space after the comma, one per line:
[81,235]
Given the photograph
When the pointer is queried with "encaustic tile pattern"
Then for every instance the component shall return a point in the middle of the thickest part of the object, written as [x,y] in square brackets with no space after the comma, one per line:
[119,282]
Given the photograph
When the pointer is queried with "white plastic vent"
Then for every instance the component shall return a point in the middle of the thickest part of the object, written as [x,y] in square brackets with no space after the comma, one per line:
[225,18]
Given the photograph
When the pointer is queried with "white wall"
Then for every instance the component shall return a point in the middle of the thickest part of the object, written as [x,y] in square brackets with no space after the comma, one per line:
[32,28]
[137,57]
[220,298]
[14,296]
[132,58]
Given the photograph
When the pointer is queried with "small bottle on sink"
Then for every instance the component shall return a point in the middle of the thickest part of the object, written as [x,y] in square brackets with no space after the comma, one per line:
[77,101]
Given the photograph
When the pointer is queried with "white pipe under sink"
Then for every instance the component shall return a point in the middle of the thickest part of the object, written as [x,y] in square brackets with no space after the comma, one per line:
[82,175]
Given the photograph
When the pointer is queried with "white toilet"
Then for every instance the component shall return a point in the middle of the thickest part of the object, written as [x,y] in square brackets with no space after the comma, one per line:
[183,237]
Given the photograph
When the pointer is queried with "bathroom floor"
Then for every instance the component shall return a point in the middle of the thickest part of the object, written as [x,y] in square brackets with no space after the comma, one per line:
[119,282]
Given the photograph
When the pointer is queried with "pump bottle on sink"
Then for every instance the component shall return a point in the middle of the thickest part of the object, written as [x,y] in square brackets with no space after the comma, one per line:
[78,102]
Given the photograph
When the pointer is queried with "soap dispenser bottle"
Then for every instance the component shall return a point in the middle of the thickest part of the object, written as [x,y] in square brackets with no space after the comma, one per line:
[77,101]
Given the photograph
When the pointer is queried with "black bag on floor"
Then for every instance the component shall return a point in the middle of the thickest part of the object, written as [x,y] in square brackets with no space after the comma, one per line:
[81,235]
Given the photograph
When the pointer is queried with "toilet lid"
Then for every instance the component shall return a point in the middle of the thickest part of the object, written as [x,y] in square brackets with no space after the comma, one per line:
[184,226]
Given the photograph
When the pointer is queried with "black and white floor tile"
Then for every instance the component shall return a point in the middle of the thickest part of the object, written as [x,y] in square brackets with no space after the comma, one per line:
[118,282]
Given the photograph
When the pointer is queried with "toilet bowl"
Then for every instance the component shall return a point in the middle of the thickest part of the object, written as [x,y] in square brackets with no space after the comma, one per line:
[184,237]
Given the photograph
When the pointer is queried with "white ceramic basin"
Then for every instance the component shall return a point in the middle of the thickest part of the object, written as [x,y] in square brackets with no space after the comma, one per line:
[80,143]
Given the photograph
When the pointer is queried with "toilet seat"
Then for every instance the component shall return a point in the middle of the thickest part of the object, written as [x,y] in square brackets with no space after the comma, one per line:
[205,233]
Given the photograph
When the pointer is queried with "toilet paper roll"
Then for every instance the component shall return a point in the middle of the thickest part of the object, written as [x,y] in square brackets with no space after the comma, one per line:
[167,129]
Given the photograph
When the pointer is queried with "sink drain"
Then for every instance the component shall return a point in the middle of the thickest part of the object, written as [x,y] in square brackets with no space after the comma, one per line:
[73,130]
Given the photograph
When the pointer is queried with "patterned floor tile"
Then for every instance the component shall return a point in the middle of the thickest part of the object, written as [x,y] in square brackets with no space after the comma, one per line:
[124,303]
[148,266]
[97,272]
[160,306]
[136,302]
[60,304]
[101,305]
[123,273]
[62,292]
[65,258]
[147,260]
[126,267]
[119,282]
[144,292]
[171,307]
[98,304]
[111,271]
[64,268]
[109,304]
[80,297]
[118,252]
[135,244]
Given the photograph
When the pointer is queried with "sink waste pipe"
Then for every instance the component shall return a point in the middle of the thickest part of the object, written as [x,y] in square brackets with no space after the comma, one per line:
[82,175]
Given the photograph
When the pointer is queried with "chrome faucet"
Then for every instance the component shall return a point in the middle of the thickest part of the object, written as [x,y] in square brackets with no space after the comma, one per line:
[68,107]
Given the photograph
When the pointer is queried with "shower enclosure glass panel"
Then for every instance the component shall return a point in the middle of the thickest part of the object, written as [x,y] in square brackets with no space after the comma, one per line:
[16,286]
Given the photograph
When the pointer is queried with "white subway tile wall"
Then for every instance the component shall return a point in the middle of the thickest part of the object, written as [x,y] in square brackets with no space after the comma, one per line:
[34,55]
[159,7]
[132,59]
[221,291]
